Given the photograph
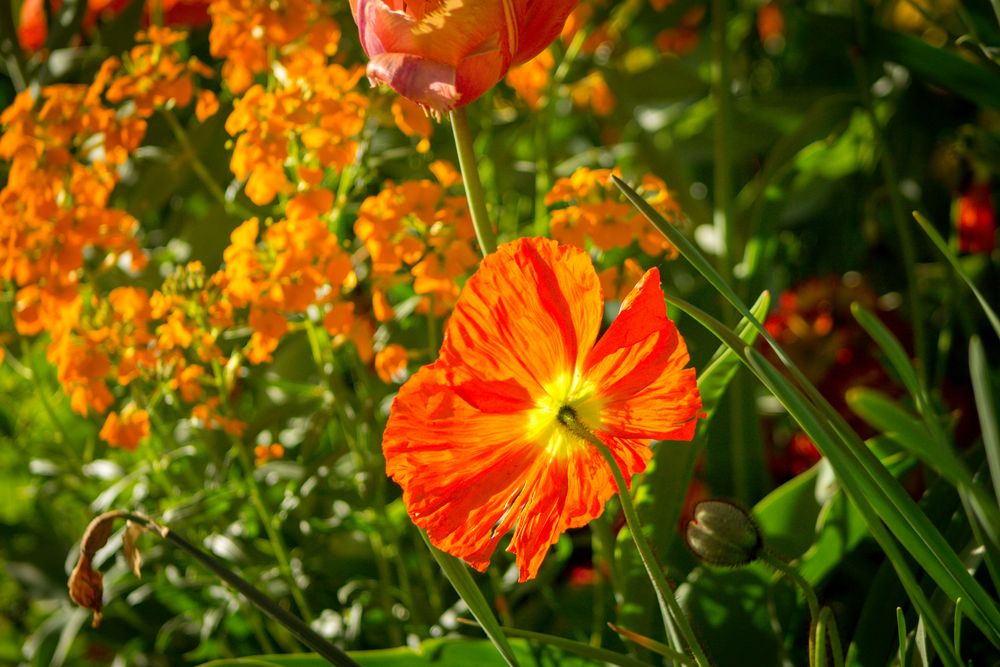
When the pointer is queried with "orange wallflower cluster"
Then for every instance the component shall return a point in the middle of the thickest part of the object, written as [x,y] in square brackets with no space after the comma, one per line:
[293,265]
[247,34]
[587,206]
[531,80]
[153,74]
[312,119]
[417,233]
[592,92]
[64,149]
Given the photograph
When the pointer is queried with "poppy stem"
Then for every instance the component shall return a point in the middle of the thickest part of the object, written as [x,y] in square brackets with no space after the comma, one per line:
[473,186]
[568,418]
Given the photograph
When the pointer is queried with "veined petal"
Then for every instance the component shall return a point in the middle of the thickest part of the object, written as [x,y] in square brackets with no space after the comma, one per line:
[635,348]
[666,409]
[528,314]
[639,365]
[459,467]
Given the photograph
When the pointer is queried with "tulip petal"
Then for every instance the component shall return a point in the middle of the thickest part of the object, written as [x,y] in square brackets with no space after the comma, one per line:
[541,21]
[427,82]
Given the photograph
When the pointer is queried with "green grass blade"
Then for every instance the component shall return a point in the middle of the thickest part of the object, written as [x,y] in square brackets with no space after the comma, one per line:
[457,573]
[942,246]
[715,377]
[985,405]
[858,469]
[891,347]
[886,416]
[901,631]
[860,489]
[652,645]
[882,413]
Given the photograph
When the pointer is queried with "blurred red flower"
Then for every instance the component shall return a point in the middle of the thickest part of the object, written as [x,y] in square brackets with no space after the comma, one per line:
[32,29]
[976,219]
[476,438]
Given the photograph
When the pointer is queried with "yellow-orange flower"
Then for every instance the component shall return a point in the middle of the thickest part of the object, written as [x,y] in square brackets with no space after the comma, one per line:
[477,439]
[588,206]
[126,429]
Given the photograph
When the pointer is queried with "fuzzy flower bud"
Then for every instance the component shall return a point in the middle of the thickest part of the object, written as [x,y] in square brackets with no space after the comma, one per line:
[723,533]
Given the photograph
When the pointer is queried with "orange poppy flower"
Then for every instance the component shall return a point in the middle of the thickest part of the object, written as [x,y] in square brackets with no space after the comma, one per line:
[476,439]
[445,53]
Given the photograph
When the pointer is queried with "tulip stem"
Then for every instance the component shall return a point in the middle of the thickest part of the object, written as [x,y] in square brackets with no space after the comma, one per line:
[669,606]
[473,186]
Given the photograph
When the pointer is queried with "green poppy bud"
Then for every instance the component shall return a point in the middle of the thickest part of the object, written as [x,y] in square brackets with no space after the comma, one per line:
[723,533]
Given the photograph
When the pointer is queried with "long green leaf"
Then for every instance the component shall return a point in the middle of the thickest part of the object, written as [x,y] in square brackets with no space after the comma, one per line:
[986,408]
[457,573]
[813,424]
[860,489]
[942,246]
[862,474]
[885,415]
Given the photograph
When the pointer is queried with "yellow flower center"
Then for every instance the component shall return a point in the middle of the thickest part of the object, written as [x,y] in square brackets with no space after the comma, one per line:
[571,392]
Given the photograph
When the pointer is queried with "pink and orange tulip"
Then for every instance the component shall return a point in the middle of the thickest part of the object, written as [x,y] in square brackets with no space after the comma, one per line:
[443,54]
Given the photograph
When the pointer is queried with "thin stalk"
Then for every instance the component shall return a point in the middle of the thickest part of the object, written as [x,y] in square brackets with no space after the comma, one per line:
[473,185]
[828,626]
[265,516]
[199,168]
[812,601]
[295,625]
[899,216]
[743,463]
[673,611]
[10,49]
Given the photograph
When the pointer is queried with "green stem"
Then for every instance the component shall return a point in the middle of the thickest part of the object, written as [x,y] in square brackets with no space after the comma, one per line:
[812,601]
[887,164]
[265,516]
[295,625]
[827,629]
[199,168]
[10,49]
[668,602]
[473,186]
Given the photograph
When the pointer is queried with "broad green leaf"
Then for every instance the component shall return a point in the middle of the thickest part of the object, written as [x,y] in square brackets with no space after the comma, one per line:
[433,653]
[788,515]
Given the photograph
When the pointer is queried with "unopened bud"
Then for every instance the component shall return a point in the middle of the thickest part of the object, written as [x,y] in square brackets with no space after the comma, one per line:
[723,533]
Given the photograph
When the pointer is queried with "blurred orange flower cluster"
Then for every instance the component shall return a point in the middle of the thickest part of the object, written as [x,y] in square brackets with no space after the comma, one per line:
[154,75]
[294,265]
[418,234]
[587,206]
[248,34]
[64,149]
[307,117]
